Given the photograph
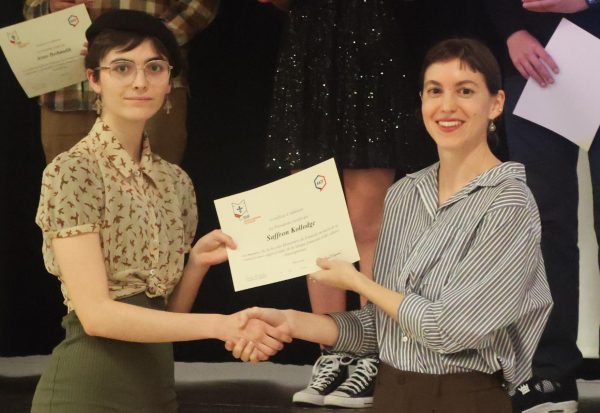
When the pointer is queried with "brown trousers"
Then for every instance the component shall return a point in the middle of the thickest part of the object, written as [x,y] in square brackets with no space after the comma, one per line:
[168,134]
[405,392]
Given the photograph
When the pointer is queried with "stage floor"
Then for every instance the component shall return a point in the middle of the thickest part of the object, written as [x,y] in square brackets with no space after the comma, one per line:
[217,387]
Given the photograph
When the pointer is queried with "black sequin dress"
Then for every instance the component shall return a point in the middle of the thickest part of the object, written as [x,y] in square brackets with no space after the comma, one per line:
[345,86]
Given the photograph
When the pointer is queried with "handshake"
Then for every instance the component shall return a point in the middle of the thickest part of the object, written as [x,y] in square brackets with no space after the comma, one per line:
[260,333]
[255,334]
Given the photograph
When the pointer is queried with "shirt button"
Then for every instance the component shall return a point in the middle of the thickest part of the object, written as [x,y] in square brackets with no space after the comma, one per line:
[136,173]
[404,339]
[152,272]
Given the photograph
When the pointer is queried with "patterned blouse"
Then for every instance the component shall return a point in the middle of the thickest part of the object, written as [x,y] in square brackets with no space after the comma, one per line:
[472,271]
[145,214]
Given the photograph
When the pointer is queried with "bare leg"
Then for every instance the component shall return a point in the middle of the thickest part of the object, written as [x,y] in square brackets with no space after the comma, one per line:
[365,191]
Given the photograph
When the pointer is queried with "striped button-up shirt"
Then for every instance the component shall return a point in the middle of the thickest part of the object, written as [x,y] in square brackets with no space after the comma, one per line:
[471,269]
[184,17]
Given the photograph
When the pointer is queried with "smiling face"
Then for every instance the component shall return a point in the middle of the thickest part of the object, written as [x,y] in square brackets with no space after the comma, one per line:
[457,106]
[135,98]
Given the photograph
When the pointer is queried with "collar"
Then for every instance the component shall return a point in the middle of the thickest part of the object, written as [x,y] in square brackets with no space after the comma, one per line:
[110,148]
[426,182]
[491,177]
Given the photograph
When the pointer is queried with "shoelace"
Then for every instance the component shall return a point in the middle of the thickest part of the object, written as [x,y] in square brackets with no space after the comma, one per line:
[547,386]
[326,370]
[366,369]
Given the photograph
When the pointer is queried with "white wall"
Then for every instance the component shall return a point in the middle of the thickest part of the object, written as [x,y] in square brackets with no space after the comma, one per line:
[589,304]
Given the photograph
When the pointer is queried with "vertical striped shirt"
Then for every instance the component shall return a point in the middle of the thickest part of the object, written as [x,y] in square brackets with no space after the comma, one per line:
[183,17]
[471,269]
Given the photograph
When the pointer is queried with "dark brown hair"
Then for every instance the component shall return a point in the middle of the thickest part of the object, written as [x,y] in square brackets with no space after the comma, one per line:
[123,41]
[471,53]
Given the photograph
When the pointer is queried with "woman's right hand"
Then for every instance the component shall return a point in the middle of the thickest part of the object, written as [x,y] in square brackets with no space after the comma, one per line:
[211,249]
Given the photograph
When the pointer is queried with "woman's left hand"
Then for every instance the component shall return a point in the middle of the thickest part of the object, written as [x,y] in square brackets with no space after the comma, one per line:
[338,274]
[211,249]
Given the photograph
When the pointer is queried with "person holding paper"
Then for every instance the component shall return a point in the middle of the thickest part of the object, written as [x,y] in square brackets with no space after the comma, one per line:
[117,221]
[345,87]
[69,113]
[551,165]
[460,296]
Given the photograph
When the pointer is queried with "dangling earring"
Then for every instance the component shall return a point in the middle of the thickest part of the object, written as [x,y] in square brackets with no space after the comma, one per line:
[168,105]
[492,127]
[98,105]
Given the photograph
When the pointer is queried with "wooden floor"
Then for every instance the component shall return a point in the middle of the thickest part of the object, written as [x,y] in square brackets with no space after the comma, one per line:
[217,387]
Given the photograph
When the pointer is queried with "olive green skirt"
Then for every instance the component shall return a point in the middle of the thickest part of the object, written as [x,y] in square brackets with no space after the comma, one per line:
[93,374]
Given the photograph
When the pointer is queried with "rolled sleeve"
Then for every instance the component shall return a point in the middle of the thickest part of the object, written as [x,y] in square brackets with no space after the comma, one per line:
[418,317]
[485,294]
[69,204]
[412,314]
[187,17]
[357,332]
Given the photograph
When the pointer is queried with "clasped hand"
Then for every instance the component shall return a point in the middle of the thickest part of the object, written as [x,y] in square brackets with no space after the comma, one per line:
[334,273]
[250,350]
[256,334]
[262,338]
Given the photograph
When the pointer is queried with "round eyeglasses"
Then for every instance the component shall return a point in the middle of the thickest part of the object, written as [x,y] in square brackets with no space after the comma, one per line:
[125,71]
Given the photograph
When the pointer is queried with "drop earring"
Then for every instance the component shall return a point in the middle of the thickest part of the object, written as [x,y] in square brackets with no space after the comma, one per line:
[168,105]
[492,127]
[98,105]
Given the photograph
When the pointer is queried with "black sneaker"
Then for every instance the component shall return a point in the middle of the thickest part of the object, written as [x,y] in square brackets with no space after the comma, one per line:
[357,391]
[328,373]
[545,396]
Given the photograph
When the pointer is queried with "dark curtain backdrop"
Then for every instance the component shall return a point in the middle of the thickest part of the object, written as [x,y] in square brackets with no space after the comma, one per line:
[232,65]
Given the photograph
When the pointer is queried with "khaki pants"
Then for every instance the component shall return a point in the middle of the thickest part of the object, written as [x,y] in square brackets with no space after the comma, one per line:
[168,135]
[397,391]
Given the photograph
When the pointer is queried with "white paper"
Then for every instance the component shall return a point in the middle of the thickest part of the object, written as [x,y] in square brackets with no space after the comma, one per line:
[45,53]
[282,228]
[570,106]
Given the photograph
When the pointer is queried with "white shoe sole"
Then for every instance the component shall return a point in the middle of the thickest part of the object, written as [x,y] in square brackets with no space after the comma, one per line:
[348,402]
[311,399]
[562,407]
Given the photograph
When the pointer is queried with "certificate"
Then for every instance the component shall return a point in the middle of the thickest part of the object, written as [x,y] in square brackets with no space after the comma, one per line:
[45,53]
[569,106]
[282,228]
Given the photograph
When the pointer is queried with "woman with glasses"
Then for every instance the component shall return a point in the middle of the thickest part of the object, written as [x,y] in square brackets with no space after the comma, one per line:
[117,221]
